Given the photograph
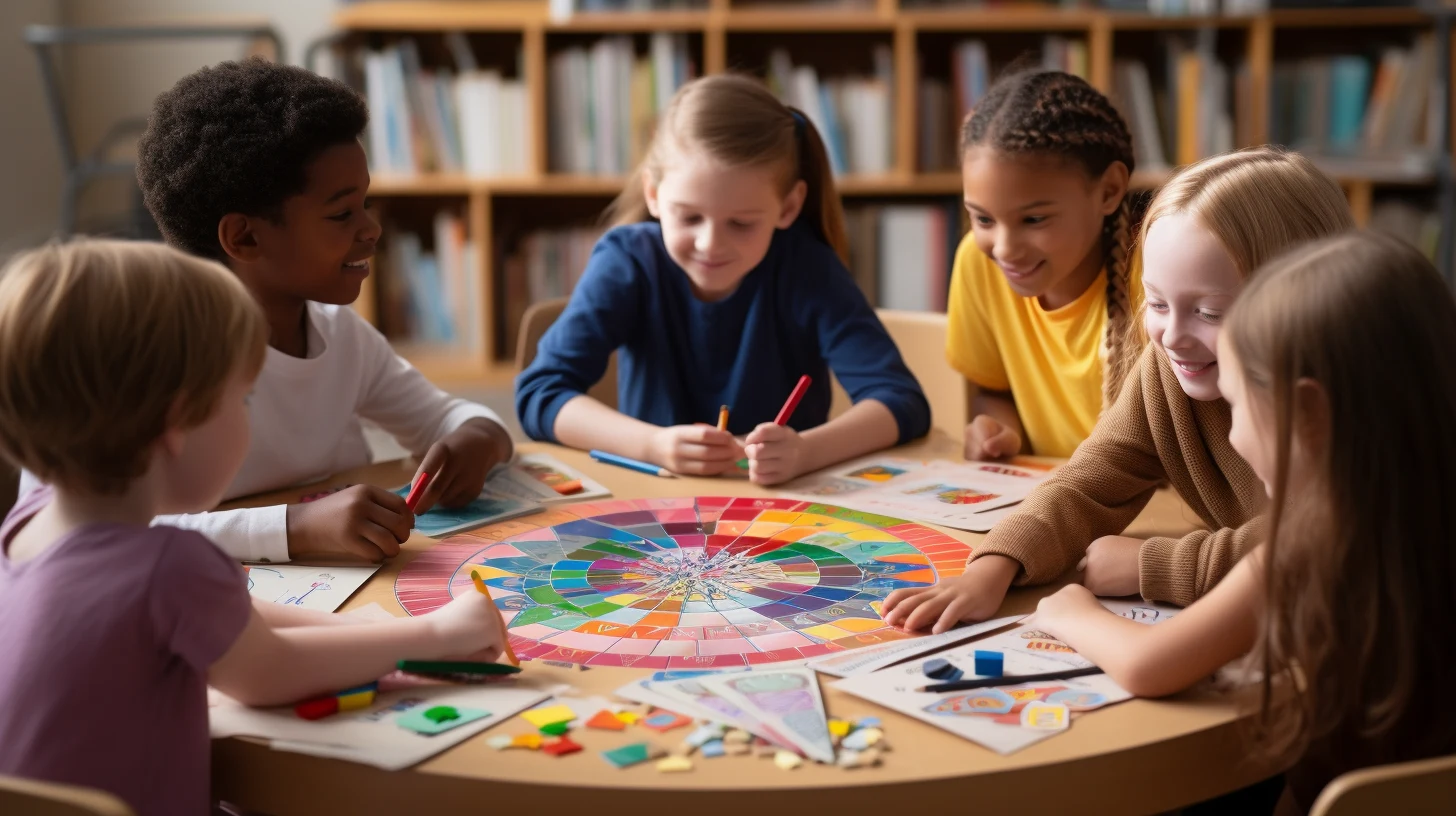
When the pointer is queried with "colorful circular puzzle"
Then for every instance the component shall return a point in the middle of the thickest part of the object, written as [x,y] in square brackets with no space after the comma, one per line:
[705,582]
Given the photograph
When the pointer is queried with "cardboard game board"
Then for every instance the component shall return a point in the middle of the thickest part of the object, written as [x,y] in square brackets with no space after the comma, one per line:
[687,583]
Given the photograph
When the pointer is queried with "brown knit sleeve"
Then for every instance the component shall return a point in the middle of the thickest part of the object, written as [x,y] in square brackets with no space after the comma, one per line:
[1181,570]
[1108,481]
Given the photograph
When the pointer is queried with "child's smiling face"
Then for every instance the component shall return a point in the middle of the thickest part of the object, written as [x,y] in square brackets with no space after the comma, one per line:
[718,221]
[319,249]
[1189,281]
[1040,219]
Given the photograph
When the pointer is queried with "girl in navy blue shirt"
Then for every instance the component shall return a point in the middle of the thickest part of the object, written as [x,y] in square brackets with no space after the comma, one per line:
[737,289]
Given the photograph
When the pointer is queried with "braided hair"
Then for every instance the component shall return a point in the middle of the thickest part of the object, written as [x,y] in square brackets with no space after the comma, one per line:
[1057,113]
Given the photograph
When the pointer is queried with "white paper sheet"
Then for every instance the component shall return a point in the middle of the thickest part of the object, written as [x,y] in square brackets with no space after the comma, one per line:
[322,588]
[370,736]
[864,661]
[786,702]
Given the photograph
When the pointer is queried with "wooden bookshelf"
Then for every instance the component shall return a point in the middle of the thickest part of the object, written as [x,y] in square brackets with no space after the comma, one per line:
[720,29]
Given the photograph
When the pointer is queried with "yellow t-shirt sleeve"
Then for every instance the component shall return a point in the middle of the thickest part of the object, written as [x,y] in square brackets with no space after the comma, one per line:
[970,344]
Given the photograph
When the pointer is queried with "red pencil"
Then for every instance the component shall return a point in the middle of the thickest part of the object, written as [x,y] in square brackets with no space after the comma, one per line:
[415,490]
[793,401]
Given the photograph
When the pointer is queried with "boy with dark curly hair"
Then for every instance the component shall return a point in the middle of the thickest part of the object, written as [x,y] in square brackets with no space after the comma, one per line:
[259,166]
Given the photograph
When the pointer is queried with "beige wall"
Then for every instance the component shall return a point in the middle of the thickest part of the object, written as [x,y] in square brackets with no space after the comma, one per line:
[30,165]
[106,83]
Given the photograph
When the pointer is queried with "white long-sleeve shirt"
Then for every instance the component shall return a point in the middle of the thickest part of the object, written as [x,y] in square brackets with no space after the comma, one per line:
[305,416]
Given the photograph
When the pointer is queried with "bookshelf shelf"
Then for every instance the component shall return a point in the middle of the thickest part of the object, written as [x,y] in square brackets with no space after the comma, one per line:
[846,47]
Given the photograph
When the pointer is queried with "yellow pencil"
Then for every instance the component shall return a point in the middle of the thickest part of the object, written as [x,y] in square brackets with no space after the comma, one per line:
[505,635]
[723,418]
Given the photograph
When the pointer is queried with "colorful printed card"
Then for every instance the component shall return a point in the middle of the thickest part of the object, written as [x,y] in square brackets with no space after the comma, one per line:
[786,701]
[993,717]
[535,477]
[864,661]
[488,508]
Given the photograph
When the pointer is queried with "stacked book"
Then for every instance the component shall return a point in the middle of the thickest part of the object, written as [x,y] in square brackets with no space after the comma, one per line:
[433,297]
[854,115]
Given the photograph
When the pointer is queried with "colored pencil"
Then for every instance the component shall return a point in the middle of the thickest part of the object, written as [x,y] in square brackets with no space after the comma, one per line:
[723,418]
[505,634]
[1008,680]
[631,464]
[455,667]
[415,490]
[793,401]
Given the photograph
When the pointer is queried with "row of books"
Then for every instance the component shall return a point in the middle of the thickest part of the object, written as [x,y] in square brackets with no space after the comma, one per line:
[854,115]
[422,120]
[433,297]
[900,254]
[944,105]
[605,100]
[1197,106]
[539,266]
[1354,105]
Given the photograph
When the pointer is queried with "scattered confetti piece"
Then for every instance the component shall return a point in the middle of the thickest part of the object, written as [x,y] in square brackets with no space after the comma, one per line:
[838,728]
[712,749]
[540,717]
[606,721]
[704,733]
[629,755]
[787,760]
[737,736]
[862,739]
[531,741]
[674,764]
[867,722]
[561,746]
[555,729]
[628,717]
[663,721]
[859,759]
[737,748]
[500,742]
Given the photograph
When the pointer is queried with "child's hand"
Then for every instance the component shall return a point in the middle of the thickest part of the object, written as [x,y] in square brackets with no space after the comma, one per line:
[1111,566]
[987,438]
[975,595]
[460,462]
[775,454]
[363,520]
[469,627]
[1069,602]
[694,450]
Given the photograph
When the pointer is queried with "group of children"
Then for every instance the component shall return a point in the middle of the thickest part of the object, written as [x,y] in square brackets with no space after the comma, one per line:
[1284,373]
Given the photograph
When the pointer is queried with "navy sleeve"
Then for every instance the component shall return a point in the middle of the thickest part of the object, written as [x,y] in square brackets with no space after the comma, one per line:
[574,352]
[856,346]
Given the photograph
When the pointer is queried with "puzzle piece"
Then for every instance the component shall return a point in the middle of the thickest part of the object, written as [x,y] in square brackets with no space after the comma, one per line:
[629,755]
[438,719]
[606,721]
[561,746]
[664,721]
[529,741]
[674,764]
[787,760]
[540,717]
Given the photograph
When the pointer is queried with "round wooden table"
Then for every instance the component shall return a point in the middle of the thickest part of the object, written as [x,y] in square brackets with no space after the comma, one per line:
[1140,756]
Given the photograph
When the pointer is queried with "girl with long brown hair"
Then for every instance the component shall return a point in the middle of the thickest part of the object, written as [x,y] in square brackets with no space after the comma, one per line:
[1337,363]
[734,291]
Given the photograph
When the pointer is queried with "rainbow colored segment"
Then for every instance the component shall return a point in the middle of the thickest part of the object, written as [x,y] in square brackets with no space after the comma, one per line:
[687,582]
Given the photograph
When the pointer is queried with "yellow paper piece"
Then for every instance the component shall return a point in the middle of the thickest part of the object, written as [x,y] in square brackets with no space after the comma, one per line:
[787,760]
[628,717]
[674,764]
[1045,716]
[838,728]
[531,741]
[541,717]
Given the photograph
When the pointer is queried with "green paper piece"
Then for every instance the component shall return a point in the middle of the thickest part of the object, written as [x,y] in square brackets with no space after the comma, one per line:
[555,729]
[420,720]
[628,755]
[440,714]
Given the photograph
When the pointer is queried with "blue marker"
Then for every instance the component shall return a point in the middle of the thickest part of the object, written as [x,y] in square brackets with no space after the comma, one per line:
[631,464]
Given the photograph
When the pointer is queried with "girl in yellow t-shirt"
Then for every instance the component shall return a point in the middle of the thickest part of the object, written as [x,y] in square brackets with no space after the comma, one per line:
[1043,289]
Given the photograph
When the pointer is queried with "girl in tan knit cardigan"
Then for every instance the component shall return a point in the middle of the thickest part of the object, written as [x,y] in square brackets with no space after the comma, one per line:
[1336,361]
[1204,234]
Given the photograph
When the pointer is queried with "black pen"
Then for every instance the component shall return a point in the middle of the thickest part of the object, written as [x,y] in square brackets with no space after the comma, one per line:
[1008,680]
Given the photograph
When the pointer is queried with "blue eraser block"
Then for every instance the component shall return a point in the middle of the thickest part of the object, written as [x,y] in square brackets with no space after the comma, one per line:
[990,664]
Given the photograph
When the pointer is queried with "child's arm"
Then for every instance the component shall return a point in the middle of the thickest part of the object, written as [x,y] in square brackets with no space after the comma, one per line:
[456,441]
[279,616]
[272,666]
[690,449]
[1153,661]
[995,430]
[1181,570]
[889,406]
[1108,481]
[777,453]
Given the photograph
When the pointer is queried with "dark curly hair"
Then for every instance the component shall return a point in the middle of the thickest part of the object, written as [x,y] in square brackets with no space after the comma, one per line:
[1056,113]
[238,137]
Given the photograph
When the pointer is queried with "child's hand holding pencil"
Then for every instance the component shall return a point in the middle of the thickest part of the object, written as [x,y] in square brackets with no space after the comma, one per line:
[696,450]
